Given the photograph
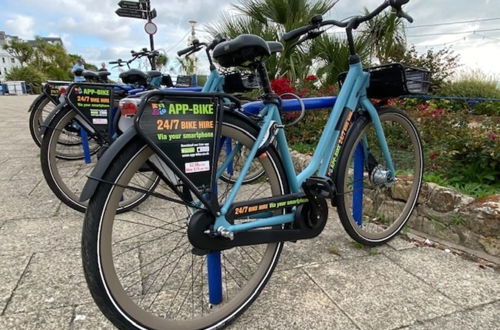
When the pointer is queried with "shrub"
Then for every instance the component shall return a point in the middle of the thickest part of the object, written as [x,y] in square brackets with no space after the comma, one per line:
[457,150]
[30,75]
[475,84]
[441,63]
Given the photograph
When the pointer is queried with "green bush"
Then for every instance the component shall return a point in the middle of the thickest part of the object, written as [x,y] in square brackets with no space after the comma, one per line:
[30,75]
[464,154]
[475,84]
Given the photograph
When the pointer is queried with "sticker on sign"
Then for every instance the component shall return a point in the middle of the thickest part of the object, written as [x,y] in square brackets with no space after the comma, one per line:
[196,167]
[99,121]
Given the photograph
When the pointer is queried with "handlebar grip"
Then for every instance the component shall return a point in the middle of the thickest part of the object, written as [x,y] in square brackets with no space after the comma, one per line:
[297,32]
[405,15]
[185,51]
[113,62]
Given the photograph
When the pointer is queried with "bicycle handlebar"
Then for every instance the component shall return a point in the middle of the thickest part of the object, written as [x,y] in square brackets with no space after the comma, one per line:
[197,45]
[317,21]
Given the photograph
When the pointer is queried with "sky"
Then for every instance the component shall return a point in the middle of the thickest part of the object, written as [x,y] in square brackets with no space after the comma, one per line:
[91,27]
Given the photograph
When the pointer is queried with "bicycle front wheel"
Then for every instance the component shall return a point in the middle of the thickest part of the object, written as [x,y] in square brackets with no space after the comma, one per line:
[373,207]
[140,267]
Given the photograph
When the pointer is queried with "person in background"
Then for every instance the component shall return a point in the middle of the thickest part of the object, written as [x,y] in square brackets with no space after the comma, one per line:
[103,67]
[77,71]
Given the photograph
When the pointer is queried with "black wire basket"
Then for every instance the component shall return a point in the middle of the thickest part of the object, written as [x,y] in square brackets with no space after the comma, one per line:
[395,79]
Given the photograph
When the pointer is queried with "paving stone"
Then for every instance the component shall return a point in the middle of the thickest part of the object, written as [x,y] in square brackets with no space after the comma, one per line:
[89,316]
[10,274]
[21,207]
[21,188]
[292,301]
[392,286]
[52,280]
[485,317]
[378,294]
[40,235]
[59,318]
[462,281]
[331,245]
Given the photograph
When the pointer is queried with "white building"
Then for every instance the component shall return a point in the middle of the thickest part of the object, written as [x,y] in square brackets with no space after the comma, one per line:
[7,61]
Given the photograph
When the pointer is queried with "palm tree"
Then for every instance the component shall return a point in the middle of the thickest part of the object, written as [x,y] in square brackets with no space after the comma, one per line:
[331,56]
[385,37]
[270,19]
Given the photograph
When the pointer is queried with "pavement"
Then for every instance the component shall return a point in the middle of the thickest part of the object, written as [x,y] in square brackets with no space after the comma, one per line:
[324,283]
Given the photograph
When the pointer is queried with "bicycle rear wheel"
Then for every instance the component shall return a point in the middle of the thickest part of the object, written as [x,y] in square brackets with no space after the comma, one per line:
[139,266]
[371,207]
[42,108]
[66,171]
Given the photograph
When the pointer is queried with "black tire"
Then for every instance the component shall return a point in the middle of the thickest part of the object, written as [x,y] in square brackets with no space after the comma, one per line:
[386,206]
[253,174]
[41,108]
[65,170]
[101,267]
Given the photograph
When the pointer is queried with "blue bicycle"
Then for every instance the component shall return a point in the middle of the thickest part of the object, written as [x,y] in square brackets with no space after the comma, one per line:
[201,249]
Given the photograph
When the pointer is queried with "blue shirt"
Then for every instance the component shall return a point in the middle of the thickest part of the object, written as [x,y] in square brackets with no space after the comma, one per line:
[78,67]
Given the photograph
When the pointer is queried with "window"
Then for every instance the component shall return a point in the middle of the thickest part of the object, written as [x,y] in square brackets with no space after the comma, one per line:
[3,59]
[13,60]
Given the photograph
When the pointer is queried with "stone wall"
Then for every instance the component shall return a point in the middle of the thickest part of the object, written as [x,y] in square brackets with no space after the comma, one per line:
[449,215]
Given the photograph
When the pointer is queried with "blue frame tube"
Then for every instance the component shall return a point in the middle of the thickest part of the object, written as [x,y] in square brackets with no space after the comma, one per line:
[357,194]
[352,95]
[365,102]
[85,145]
[214,271]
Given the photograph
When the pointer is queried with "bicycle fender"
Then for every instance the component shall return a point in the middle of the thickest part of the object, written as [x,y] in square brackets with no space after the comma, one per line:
[50,117]
[36,102]
[105,161]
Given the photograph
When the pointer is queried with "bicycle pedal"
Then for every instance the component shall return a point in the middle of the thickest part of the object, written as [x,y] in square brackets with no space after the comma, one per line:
[320,186]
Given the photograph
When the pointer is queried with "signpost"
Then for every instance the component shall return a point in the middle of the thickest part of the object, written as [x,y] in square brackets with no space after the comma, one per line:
[142,10]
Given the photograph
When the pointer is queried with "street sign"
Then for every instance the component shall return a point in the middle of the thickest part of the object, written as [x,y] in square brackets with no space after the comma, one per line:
[132,13]
[133,5]
[150,28]
[152,14]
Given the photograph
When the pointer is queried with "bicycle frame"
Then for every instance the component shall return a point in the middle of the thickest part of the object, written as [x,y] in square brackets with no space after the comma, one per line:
[352,96]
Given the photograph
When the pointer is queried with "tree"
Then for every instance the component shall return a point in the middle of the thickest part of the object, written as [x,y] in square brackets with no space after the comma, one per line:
[442,63]
[384,36]
[270,19]
[332,54]
[161,61]
[187,65]
[21,50]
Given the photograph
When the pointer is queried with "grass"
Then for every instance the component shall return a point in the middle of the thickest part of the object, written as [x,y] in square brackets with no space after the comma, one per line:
[474,189]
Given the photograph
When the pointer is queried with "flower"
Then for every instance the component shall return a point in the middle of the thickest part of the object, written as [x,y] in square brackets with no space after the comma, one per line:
[422,107]
[311,78]
[492,136]
[282,85]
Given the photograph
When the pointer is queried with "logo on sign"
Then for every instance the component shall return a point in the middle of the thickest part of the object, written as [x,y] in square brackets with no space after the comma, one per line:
[158,109]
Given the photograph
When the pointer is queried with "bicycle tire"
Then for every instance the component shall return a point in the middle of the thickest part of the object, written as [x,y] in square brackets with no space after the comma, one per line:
[252,176]
[67,175]
[109,289]
[42,104]
[385,207]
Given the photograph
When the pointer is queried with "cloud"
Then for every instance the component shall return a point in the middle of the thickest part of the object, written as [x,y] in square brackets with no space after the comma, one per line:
[21,26]
[91,27]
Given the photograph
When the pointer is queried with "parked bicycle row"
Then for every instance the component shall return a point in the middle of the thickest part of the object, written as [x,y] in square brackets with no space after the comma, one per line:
[189,194]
